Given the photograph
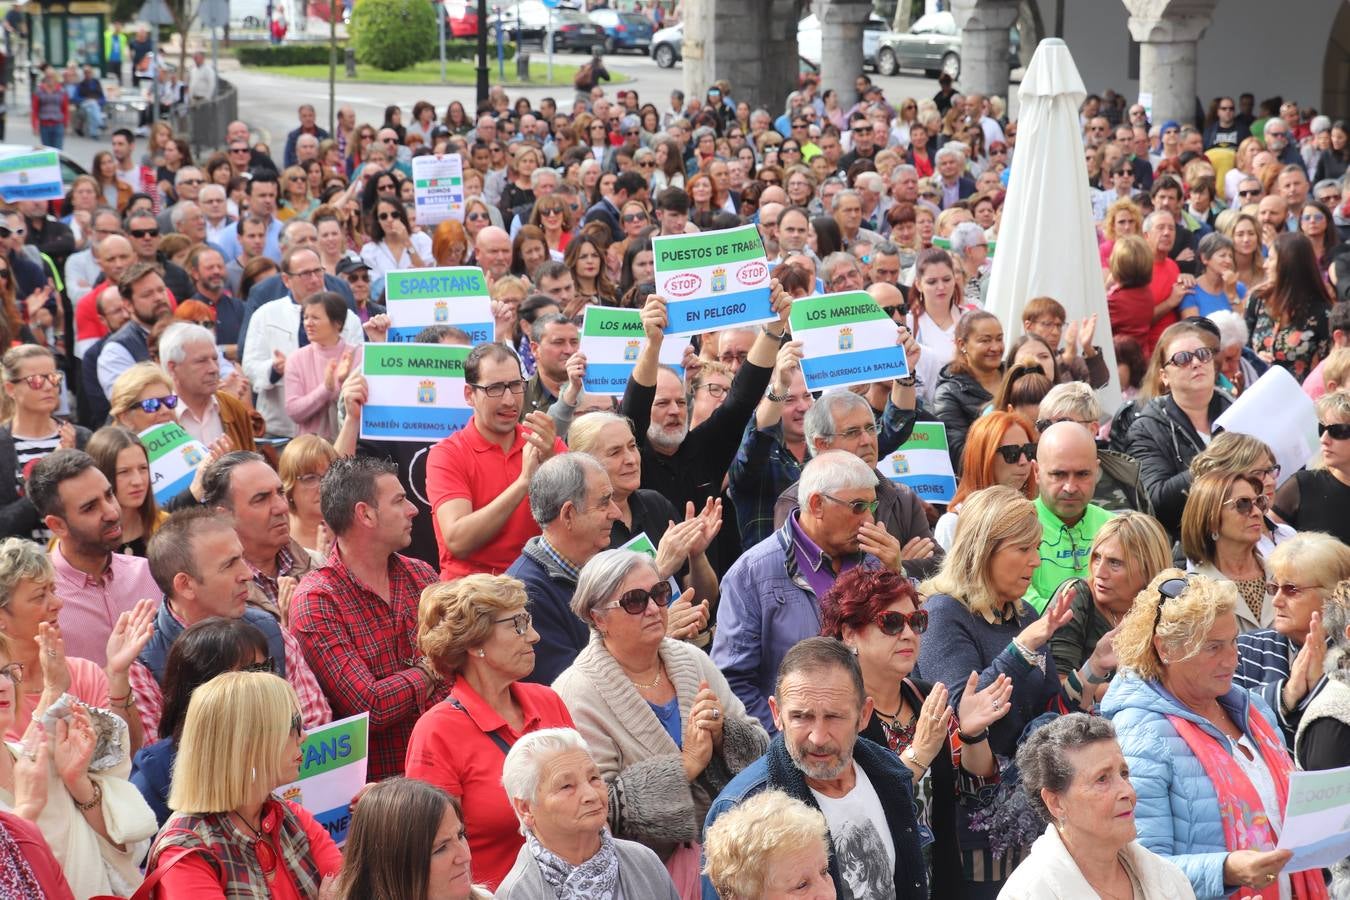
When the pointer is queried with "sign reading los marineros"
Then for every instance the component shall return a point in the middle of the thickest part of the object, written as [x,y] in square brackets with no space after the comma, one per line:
[415,391]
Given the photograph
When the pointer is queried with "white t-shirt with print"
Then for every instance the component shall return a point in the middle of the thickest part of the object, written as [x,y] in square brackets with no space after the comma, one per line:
[860,834]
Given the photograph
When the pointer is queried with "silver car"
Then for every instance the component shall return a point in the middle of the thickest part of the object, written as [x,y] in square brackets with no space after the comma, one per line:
[933,44]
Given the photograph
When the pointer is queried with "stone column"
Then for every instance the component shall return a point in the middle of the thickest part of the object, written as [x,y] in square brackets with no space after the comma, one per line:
[751,43]
[984,28]
[1168,33]
[841,45]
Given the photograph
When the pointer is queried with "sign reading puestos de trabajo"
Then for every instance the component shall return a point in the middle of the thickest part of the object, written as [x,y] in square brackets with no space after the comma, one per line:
[846,339]
[415,391]
[174,456]
[923,464]
[713,280]
[455,296]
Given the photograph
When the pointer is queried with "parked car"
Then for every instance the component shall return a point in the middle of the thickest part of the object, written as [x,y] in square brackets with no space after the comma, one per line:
[70,169]
[572,30]
[624,30]
[933,43]
[808,40]
[461,21]
[668,46]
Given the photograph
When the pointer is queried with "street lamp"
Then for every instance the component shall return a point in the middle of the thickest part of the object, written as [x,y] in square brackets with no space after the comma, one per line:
[482,53]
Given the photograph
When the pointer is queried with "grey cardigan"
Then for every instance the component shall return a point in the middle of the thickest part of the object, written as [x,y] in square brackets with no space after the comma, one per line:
[642,876]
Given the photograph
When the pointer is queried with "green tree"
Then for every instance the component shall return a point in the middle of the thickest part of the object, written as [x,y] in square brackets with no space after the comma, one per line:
[393,34]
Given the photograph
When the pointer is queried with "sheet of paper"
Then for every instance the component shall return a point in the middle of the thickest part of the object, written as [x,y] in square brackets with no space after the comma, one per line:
[31,176]
[846,339]
[416,391]
[1317,819]
[455,296]
[640,543]
[175,457]
[438,188]
[923,464]
[612,339]
[713,280]
[334,769]
[1276,410]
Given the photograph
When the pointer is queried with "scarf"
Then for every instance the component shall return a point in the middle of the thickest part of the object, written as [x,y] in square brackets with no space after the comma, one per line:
[595,879]
[1246,826]
[17,880]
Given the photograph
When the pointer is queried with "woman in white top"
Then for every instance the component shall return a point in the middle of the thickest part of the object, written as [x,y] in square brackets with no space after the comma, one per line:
[935,306]
[394,244]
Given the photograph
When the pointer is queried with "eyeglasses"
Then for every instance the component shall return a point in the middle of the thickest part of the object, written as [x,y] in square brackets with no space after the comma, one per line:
[6,231]
[238,149]
[1170,589]
[386,216]
[892,622]
[647,164]
[358,275]
[152,404]
[307,273]
[1312,217]
[1183,358]
[309,478]
[716,391]
[144,232]
[857,507]
[293,178]
[555,211]
[1293,591]
[267,665]
[1228,108]
[1330,199]
[852,434]
[1244,505]
[520,622]
[635,217]
[476,216]
[634,602]
[1012,452]
[1254,192]
[389,140]
[37,381]
[1042,424]
[193,181]
[1338,431]
[497,388]
[13,671]
[1267,472]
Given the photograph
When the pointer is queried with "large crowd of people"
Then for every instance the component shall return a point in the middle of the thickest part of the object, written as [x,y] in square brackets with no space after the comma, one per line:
[1090,674]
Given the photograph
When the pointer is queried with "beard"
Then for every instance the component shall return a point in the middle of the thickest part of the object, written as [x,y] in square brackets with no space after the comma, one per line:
[820,771]
[667,438]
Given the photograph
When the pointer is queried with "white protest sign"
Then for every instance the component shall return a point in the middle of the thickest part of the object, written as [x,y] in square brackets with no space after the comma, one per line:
[923,464]
[333,770]
[713,280]
[1276,410]
[1317,819]
[416,298]
[415,391]
[175,457]
[438,188]
[611,339]
[846,339]
[31,176]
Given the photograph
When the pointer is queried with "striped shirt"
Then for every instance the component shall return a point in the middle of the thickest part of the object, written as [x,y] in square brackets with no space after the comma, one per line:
[28,451]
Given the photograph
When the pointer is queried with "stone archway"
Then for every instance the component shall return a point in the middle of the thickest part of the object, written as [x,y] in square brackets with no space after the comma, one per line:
[751,43]
[1168,32]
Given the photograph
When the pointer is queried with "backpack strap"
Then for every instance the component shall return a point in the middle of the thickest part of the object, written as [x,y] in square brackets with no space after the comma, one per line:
[492,735]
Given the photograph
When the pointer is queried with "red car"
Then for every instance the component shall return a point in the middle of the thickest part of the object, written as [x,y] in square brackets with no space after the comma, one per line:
[466,24]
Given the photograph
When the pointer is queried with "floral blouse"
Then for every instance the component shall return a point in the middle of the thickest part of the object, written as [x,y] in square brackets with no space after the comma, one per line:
[1298,347]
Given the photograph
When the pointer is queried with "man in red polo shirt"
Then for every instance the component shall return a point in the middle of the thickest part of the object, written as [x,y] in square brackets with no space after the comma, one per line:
[478,478]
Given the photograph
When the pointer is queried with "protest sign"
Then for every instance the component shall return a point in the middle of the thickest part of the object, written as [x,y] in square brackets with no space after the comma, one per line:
[923,464]
[455,296]
[1317,819]
[175,456]
[1276,410]
[640,543]
[611,339]
[415,391]
[713,280]
[438,188]
[31,176]
[846,339]
[332,771]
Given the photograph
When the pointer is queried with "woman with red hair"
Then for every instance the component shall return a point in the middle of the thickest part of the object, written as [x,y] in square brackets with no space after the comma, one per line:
[1000,449]
[876,614]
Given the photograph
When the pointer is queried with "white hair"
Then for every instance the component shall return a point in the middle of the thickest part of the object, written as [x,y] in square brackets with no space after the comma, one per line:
[967,235]
[820,418]
[525,761]
[903,169]
[870,181]
[1232,328]
[175,340]
[180,211]
[540,173]
[834,470]
[950,149]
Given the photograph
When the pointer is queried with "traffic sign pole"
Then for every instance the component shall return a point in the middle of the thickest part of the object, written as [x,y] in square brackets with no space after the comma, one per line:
[551,5]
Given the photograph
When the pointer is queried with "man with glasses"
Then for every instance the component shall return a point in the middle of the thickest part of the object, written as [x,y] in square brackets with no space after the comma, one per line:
[1249,191]
[197,561]
[1067,472]
[768,226]
[1097,131]
[237,133]
[143,230]
[273,334]
[1225,131]
[187,184]
[863,145]
[1276,136]
[146,301]
[82,271]
[572,502]
[1328,193]
[478,479]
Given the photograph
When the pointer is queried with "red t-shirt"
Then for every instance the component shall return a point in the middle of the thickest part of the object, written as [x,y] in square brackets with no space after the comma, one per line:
[459,757]
[468,466]
[1165,275]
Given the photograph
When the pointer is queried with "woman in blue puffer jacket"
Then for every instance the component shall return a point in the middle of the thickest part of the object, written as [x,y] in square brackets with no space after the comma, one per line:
[1206,761]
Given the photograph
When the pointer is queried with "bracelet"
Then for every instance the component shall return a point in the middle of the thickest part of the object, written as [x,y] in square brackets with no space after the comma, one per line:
[969,739]
[908,381]
[1093,678]
[776,336]
[93,801]
[776,398]
[913,758]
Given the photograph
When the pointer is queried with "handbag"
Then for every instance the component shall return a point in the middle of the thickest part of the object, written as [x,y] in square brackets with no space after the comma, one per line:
[166,862]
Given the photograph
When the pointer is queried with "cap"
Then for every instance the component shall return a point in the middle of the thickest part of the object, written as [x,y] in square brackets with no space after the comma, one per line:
[351,263]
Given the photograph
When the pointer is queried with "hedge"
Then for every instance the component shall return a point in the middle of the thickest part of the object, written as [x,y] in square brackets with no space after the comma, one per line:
[317,54]
[393,34]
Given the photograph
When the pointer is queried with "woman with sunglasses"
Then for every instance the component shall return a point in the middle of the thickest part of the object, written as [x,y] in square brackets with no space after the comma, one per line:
[202,651]
[142,397]
[552,216]
[241,741]
[296,201]
[1000,449]
[1316,499]
[478,635]
[655,711]
[477,216]
[29,432]
[1206,758]
[125,462]
[1287,315]
[1220,529]
[1315,223]
[393,244]
[876,614]
[1176,418]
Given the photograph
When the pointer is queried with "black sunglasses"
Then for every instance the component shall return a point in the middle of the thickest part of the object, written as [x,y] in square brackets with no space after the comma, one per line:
[1170,589]
[1011,452]
[1185,357]
[1338,432]
[892,622]
[153,404]
[144,232]
[267,665]
[634,602]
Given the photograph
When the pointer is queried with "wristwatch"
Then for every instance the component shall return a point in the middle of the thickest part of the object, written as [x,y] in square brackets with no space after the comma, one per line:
[779,336]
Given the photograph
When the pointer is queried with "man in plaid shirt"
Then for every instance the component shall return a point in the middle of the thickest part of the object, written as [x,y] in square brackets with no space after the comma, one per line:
[356,616]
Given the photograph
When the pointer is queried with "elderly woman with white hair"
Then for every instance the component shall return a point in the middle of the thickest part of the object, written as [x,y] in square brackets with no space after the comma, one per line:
[1119,488]
[556,790]
[662,723]
[971,247]
[1238,370]
[771,847]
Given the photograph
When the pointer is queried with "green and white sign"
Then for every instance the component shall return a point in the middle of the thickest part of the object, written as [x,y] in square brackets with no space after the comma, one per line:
[713,280]
[846,339]
[416,391]
[31,176]
[416,298]
[640,543]
[611,339]
[438,188]
[923,464]
[333,770]
[175,456]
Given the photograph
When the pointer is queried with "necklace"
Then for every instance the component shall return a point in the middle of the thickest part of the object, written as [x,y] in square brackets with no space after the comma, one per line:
[898,734]
[249,825]
[647,687]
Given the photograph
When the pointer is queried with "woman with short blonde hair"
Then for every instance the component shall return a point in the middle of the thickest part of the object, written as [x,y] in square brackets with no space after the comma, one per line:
[142,397]
[476,633]
[769,847]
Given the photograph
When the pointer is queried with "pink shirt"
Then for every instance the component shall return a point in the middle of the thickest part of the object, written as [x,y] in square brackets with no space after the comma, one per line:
[90,606]
[88,684]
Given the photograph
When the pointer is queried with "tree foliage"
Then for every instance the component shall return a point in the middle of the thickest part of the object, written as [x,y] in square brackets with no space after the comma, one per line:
[393,34]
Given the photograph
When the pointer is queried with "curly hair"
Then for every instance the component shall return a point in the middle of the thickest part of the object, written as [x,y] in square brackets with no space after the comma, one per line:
[1181,625]
[455,616]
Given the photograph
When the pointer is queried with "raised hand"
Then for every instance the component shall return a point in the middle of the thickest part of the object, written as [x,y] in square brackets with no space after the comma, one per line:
[686,618]
[710,523]
[52,659]
[540,433]
[278,362]
[377,328]
[1057,614]
[1306,670]
[918,548]
[654,318]
[705,713]
[576,377]
[1086,333]
[930,725]
[788,362]
[330,380]
[355,390]
[130,635]
[74,748]
[30,773]
[979,709]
